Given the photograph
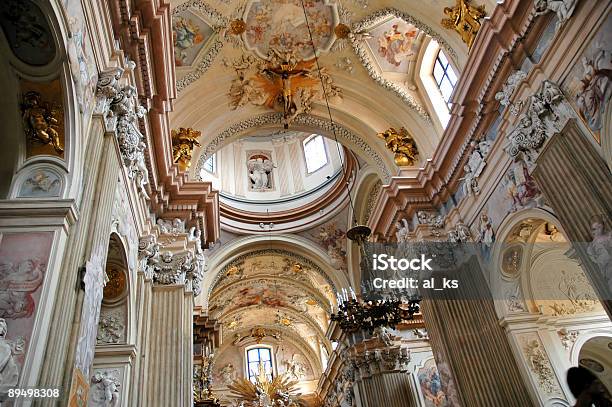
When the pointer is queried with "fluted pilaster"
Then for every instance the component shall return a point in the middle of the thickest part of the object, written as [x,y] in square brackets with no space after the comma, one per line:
[470,347]
[578,185]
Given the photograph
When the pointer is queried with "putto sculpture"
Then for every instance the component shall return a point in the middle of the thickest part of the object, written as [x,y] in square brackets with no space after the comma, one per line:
[465,19]
[42,121]
[184,140]
[402,145]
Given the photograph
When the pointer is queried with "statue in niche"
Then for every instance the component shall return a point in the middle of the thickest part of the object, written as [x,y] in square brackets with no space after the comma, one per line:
[260,170]
[9,373]
[600,248]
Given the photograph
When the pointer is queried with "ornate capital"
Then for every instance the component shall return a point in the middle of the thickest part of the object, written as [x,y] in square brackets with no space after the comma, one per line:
[378,361]
[184,268]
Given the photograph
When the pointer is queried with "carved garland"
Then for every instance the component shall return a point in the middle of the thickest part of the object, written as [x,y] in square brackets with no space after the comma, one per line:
[304,119]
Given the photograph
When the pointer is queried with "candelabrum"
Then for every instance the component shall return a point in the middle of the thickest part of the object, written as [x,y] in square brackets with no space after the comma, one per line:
[355,314]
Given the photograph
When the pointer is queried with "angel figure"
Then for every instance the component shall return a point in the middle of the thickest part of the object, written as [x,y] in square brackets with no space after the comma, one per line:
[183,142]
[402,145]
[562,8]
[42,122]
[259,173]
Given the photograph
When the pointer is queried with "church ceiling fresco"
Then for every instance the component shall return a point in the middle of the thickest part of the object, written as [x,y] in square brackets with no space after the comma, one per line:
[281,25]
[190,34]
[273,290]
[394,45]
[384,40]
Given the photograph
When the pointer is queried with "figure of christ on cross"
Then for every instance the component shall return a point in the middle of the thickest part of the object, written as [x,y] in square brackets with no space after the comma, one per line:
[286,71]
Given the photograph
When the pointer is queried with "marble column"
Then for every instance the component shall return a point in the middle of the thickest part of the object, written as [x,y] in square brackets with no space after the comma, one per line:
[472,353]
[170,348]
[167,364]
[577,184]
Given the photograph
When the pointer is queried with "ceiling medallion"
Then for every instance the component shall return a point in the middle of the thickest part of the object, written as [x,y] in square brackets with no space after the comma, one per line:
[342,31]
[282,25]
[465,19]
[237,27]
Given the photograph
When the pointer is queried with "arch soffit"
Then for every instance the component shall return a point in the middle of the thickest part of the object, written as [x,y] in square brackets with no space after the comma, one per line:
[290,244]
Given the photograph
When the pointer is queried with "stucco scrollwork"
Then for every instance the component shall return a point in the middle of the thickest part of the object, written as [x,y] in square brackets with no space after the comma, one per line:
[545,115]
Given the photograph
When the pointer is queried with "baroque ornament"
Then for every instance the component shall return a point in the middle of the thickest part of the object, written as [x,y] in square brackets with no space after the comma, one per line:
[43,122]
[105,389]
[111,328]
[263,392]
[171,268]
[545,115]
[402,145]
[283,83]
[474,166]
[119,105]
[184,140]
[540,366]
[508,89]
[465,19]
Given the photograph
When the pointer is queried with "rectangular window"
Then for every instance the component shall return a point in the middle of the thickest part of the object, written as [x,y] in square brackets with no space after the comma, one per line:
[257,357]
[315,153]
[445,76]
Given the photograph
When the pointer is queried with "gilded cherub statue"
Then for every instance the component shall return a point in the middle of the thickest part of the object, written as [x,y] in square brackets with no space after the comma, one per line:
[402,145]
[41,121]
[183,142]
[465,19]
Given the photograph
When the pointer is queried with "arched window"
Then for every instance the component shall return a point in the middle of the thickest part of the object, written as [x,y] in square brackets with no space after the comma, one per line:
[315,153]
[259,356]
[445,76]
